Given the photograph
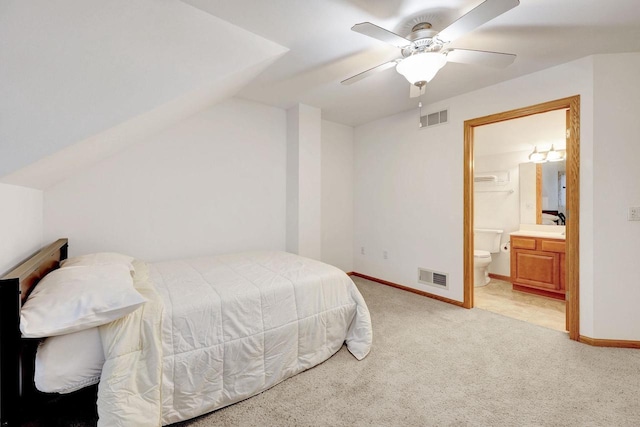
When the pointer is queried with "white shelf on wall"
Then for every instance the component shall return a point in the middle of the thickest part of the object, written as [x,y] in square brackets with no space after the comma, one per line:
[510,191]
[492,178]
[492,182]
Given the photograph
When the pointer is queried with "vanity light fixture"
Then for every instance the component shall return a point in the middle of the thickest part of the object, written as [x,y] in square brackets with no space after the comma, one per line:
[537,157]
[554,156]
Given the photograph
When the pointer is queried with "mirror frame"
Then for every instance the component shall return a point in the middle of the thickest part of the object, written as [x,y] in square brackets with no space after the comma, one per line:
[538,193]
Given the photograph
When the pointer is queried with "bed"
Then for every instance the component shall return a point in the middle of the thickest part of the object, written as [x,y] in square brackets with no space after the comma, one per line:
[213,331]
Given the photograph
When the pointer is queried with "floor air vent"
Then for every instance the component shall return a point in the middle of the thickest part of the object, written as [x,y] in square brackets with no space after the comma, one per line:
[433,278]
[433,119]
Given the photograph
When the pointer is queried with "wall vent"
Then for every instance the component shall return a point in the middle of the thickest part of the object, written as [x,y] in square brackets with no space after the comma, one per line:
[434,278]
[432,119]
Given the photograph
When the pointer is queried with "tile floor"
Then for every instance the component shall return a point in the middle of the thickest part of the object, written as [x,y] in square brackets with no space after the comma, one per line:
[498,297]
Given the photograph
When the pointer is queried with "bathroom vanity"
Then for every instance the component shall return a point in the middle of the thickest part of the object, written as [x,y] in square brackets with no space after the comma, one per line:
[538,263]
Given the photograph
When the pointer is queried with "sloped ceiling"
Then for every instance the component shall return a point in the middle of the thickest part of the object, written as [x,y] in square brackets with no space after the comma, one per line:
[90,76]
[324,50]
[85,78]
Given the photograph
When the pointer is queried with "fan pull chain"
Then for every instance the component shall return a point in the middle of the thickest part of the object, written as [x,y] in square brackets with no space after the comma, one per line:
[422,96]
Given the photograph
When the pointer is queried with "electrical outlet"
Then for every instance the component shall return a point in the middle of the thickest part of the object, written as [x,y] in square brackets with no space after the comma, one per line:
[634,214]
[361,250]
[385,255]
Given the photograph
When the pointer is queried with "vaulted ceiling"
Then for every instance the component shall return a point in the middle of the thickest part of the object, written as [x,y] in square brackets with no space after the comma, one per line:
[81,79]
[324,51]
[92,76]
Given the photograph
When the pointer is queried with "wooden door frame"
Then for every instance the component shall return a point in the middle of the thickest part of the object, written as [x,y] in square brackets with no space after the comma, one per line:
[573,200]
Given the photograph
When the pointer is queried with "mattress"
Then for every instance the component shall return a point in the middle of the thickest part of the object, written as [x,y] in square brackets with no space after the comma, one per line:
[218,330]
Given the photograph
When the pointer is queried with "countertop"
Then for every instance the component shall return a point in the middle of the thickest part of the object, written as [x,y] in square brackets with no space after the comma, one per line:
[545,234]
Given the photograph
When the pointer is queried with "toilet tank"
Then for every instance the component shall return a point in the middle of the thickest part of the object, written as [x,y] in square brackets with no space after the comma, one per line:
[487,239]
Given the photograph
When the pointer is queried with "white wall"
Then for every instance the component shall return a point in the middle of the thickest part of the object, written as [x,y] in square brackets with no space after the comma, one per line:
[20,225]
[495,206]
[528,193]
[404,202]
[304,181]
[409,186]
[616,180]
[337,195]
[213,183]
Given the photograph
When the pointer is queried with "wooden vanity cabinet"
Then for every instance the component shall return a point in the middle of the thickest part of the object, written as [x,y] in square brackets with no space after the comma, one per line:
[538,266]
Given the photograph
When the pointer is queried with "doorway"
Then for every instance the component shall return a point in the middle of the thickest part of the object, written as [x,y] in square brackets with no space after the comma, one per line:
[572,105]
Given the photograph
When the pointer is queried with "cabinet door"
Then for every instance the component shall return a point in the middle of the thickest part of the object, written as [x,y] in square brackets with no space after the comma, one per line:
[539,269]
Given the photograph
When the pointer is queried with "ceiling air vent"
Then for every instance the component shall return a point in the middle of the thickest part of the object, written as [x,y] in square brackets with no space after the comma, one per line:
[433,278]
[437,118]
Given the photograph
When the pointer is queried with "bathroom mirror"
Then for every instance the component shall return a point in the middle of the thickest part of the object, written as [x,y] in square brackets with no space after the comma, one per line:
[543,193]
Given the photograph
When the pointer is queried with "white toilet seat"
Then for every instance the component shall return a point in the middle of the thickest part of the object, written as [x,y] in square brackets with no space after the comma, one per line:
[477,253]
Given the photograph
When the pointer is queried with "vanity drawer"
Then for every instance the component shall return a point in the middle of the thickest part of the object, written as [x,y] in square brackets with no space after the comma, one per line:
[552,246]
[523,243]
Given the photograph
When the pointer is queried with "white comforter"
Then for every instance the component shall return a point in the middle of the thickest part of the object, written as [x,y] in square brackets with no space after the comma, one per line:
[220,329]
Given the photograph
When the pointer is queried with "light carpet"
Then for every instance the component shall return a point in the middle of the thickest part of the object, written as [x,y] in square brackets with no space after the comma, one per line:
[434,364]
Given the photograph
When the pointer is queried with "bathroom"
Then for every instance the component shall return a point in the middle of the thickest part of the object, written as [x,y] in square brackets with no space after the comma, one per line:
[520,197]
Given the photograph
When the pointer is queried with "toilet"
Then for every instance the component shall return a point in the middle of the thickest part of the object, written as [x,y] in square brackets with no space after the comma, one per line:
[486,241]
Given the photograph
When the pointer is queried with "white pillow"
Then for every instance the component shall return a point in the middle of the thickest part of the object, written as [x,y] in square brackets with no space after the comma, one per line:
[69,362]
[100,258]
[71,299]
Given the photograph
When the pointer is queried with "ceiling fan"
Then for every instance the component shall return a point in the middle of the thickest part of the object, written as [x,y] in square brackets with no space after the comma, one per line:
[424,50]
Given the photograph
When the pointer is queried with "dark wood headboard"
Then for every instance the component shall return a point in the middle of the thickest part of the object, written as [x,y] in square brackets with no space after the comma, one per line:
[33,269]
[15,287]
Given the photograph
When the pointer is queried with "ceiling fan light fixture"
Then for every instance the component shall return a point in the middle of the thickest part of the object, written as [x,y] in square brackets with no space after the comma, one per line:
[422,66]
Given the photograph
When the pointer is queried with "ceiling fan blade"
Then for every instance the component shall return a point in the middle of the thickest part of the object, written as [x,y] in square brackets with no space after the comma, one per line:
[369,72]
[480,57]
[371,30]
[415,91]
[483,13]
